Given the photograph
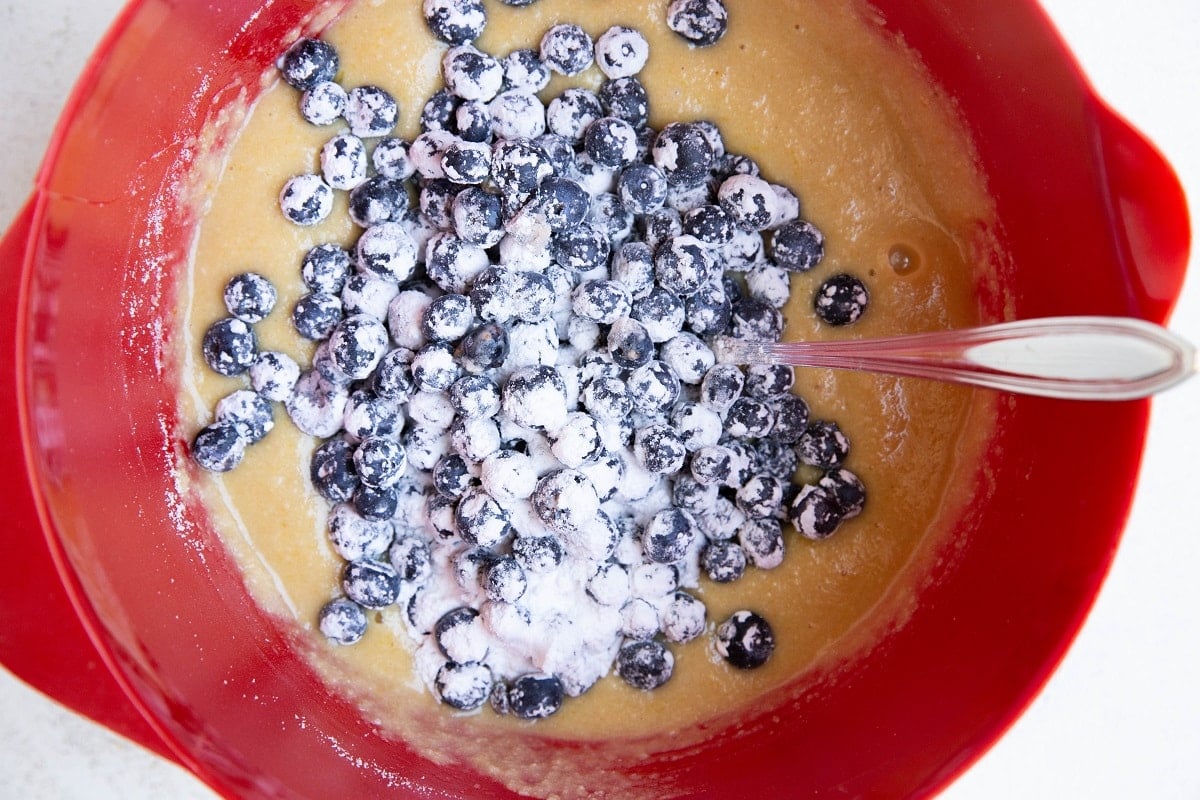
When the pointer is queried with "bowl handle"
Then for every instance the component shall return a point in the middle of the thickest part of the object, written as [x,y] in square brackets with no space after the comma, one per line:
[1149,215]
[42,641]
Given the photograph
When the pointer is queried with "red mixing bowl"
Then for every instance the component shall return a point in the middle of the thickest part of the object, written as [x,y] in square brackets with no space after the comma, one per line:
[87,409]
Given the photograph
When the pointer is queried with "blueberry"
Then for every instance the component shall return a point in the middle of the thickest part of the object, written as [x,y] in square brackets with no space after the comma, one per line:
[249,296]
[669,535]
[436,198]
[218,447]
[610,217]
[460,634]
[659,448]
[249,412]
[390,159]
[464,687]
[274,375]
[776,456]
[621,52]
[660,225]
[723,561]
[815,512]
[713,465]
[762,540]
[379,461]
[823,445]
[767,381]
[745,640]
[411,557]
[473,121]
[517,114]
[708,311]
[229,346]
[354,537]
[755,320]
[749,200]
[645,664]
[713,225]
[525,71]
[700,22]
[847,490]
[841,299]
[448,318]
[606,398]
[698,426]
[611,142]
[691,495]
[535,696]
[559,151]
[470,74]
[662,312]
[565,501]
[633,267]
[653,388]
[374,502]
[683,618]
[378,199]
[484,348]
[467,163]
[567,49]
[316,314]
[518,167]
[688,356]
[323,103]
[769,283]
[434,367]
[325,268]
[749,418]
[562,201]
[581,249]
[639,619]
[609,585]
[577,441]
[791,418]
[332,470]
[371,584]
[571,113]
[505,581]
[601,301]
[371,111]
[309,62]
[683,265]
[478,217]
[797,246]
[481,520]
[393,377]
[357,344]
[453,263]
[387,251]
[627,99]
[455,21]
[342,621]
[538,554]
[344,161]
[721,520]
[683,153]
[451,475]
[760,496]
[629,343]
[306,199]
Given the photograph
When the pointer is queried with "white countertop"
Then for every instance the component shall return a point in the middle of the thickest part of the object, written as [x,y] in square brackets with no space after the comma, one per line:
[1120,718]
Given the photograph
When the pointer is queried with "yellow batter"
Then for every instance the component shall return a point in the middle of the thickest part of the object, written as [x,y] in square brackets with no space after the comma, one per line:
[817,93]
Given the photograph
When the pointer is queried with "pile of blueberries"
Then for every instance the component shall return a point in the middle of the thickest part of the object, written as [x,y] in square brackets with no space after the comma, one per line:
[536,329]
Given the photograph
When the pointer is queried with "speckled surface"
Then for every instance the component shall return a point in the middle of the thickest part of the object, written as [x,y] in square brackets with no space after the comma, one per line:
[1121,717]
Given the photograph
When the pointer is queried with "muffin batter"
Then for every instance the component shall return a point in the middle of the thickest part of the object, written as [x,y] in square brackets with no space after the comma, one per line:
[829,106]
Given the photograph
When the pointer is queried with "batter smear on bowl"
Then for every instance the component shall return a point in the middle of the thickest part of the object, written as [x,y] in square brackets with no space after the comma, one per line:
[457,406]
